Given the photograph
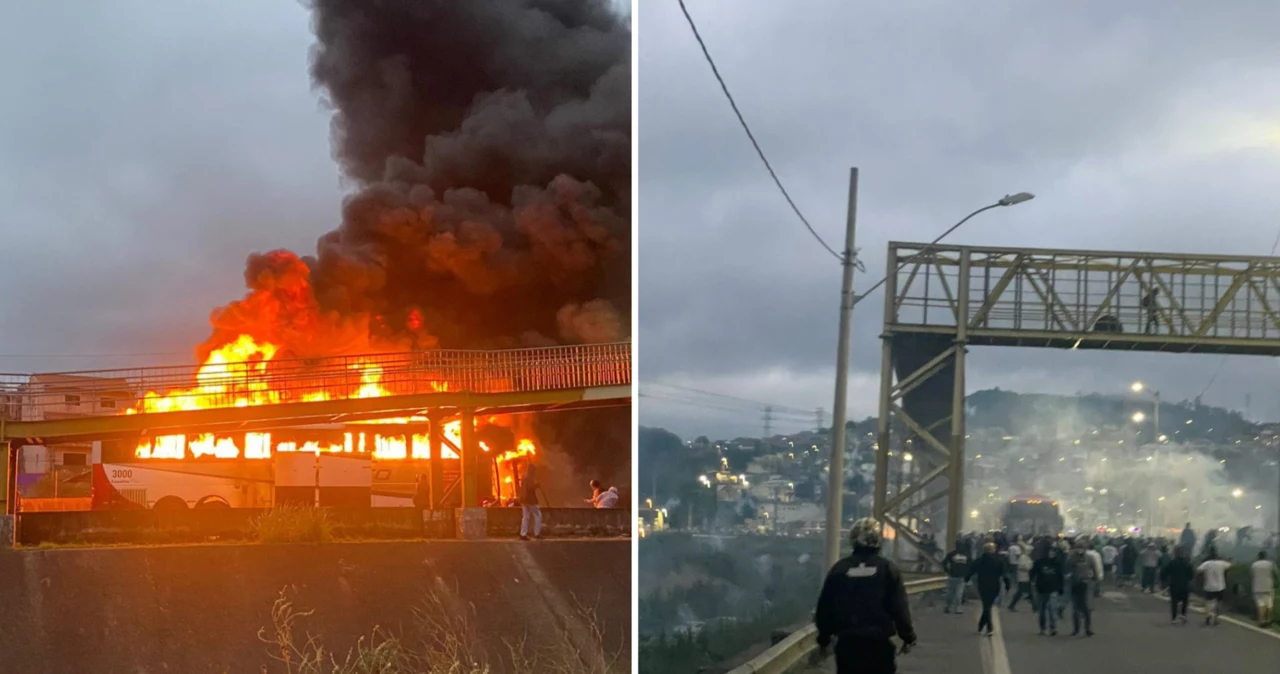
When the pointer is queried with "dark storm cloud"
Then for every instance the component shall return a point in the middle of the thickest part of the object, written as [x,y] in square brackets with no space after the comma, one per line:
[1138,129]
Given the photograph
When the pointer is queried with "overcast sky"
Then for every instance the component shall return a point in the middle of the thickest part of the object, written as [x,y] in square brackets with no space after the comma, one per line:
[146,149]
[1150,125]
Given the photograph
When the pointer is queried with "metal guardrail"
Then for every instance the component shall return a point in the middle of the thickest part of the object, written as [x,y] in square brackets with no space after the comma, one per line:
[793,650]
[34,397]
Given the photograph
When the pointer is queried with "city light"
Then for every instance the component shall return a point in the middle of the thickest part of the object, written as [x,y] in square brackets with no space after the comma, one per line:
[907,457]
[1237,492]
[973,514]
[1139,417]
[1136,387]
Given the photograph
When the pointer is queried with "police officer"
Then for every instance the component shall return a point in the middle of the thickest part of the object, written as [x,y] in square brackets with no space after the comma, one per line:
[864,604]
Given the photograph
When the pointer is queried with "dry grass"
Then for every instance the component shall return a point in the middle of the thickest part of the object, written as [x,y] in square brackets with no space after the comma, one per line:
[293,524]
[448,646]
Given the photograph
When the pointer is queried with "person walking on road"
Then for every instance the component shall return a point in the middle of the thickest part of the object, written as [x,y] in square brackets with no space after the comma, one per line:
[956,565]
[1214,572]
[1095,559]
[1083,575]
[1109,555]
[1023,577]
[1150,561]
[991,578]
[1177,576]
[1263,578]
[1047,575]
[863,605]
[529,504]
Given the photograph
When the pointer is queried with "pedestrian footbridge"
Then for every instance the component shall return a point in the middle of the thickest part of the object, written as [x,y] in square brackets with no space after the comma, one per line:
[265,393]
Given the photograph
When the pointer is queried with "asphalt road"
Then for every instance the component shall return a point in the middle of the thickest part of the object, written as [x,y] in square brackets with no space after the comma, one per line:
[1132,634]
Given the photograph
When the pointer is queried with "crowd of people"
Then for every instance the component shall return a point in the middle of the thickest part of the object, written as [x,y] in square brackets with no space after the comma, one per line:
[1054,574]
[863,604]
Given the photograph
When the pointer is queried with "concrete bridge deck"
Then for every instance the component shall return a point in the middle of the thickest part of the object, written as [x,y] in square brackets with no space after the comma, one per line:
[1132,634]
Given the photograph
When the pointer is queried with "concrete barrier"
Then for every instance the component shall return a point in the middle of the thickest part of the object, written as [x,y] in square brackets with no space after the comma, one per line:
[215,524]
[796,648]
[198,609]
[236,524]
[559,522]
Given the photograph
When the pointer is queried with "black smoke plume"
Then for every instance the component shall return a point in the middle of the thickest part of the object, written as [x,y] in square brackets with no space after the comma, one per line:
[487,144]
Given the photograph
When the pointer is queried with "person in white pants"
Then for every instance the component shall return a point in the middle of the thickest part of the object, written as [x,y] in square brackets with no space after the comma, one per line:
[1214,572]
[1263,575]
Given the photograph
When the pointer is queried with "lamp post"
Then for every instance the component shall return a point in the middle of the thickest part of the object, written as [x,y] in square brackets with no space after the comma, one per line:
[1139,387]
[848,300]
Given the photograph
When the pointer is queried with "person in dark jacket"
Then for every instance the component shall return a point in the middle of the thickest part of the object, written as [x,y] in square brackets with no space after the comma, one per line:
[1188,539]
[1128,562]
[990,570]
[863,605]
[1047,577]
[956,565]
[1178,575]
[529,504]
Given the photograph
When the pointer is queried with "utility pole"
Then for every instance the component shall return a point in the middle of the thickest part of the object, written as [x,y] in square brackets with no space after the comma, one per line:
[835,483]
[768,421]
[819,416]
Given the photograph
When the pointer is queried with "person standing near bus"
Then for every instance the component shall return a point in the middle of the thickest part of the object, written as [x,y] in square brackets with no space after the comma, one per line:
[529,504]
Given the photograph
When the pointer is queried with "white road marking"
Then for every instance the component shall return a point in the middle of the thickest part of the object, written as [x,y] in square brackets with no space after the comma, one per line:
[995,657]
[1000,655]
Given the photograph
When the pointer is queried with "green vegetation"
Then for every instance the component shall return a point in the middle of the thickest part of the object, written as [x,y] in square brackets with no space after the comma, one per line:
[447,646]
[741,590]
[294,524]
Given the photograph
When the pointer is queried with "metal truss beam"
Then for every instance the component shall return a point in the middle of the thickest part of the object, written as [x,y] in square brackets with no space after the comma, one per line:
[1069,299]
[1095,299]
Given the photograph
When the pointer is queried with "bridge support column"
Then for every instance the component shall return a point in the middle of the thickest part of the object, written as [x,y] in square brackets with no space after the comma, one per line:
[469,460]
[435,437]
[13,450]
[914,414]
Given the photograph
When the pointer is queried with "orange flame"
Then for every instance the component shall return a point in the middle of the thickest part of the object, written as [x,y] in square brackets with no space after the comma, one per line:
[236,374]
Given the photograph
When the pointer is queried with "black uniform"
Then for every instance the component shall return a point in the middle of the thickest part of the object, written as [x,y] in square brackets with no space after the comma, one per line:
[1178,575]
[864,604]
[990,570]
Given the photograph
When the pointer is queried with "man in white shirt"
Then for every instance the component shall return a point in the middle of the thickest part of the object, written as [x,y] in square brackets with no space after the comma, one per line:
[1096,559]
[1264,575]
[1109,554]
[1214,572]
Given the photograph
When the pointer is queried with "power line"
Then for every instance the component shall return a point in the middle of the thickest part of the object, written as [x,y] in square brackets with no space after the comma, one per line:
[795,411]
[725,88]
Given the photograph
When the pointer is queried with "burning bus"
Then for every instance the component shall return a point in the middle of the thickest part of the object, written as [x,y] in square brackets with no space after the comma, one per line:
[363,465]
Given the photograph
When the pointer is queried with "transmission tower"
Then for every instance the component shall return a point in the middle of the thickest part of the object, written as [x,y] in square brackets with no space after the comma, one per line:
[768,421]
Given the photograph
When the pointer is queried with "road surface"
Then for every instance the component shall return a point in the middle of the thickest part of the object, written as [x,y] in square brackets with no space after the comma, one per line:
[1133,634]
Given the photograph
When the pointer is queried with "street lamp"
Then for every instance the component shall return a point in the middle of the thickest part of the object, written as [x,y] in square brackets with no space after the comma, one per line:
[1139,417]
[848,300]
[1237,492]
